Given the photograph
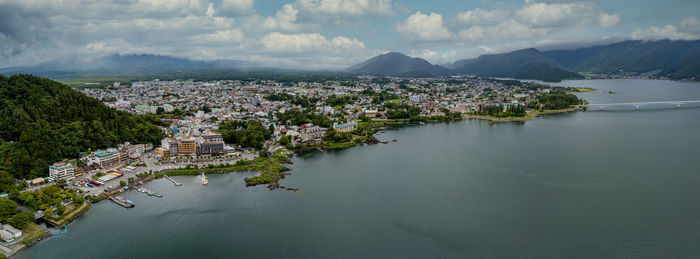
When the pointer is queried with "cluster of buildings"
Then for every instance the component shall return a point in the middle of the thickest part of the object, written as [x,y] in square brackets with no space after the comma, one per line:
[207,143]
[199,106]
[100,159]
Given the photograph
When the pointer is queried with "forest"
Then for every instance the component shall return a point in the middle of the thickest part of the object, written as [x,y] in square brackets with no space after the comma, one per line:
[245,133]
[43,121]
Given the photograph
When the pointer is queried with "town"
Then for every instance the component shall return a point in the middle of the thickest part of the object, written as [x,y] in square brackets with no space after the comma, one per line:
[230,125]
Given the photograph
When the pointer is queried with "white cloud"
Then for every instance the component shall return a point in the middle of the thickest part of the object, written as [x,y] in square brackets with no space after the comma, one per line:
[423,27]
[690,24]
[480,16]
[350,8]
[508,30]
[230,35]
[689,29]
[565,15]
[284,20]
[307,42]
[235,7]
[608,20]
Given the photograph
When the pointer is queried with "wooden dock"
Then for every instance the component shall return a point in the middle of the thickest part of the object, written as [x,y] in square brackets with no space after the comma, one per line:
[123,204]
[171,179]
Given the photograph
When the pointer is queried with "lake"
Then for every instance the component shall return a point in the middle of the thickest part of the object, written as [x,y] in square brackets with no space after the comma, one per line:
[614,183]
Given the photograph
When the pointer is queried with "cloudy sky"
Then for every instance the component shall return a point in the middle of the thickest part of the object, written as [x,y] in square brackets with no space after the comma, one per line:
[326,34]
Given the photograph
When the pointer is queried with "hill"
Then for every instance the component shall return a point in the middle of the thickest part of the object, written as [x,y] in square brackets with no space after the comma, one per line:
[678,60]
[129,64]
[397,64]
[43,121]
[521,64]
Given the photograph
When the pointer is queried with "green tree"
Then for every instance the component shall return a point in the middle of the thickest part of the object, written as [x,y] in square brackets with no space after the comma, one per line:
[21,220]
[62,183]
[7,208]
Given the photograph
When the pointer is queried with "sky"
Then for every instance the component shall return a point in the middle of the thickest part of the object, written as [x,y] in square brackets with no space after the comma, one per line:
[327,34]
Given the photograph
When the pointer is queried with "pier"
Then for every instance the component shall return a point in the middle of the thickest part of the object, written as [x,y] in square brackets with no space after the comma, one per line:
[174,182]
[123,204]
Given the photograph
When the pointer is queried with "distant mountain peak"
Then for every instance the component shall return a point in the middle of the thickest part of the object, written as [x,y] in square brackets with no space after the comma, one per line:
[398,64]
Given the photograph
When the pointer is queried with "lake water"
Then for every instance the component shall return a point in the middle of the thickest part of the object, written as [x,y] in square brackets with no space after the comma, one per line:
[613,183]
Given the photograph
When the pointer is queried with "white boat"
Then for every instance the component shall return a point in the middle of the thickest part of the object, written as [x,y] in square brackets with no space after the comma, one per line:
[204,179]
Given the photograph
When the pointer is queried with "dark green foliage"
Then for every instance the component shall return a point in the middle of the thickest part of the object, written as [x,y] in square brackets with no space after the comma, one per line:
[7,208]
[340,101]
[523,64]
[337,136]
[401,111]
[48,121]
[674,59]
[497,111]
[299,118]
[21,220]
[48,196]
[7,182]
[557,101]
[247,134]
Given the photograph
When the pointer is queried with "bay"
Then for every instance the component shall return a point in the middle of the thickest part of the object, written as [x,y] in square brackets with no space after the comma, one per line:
[620,182]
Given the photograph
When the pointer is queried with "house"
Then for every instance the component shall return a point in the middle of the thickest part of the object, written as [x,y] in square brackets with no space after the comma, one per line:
[345,127]
[310,132]
[61,170]
[9,233]
[371,113]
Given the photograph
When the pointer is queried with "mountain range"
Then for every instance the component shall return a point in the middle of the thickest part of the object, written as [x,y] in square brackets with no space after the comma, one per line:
[677,60]
[127,64]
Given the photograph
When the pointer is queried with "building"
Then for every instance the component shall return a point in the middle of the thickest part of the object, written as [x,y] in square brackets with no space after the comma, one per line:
[163,152]
[210,143]
[311,132]
[371,113]
[9,233]
[187,147]
[61,170]
[106,159]
[345,127]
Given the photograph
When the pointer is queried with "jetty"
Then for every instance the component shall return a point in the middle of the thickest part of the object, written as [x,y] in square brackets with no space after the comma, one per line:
[171,179]
[122,203]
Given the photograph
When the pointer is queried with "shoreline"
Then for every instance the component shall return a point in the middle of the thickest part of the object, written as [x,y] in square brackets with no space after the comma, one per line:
[270,170]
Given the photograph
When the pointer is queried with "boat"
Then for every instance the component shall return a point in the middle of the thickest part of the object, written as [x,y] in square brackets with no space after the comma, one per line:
[122,199]
[204,179]
[157,194]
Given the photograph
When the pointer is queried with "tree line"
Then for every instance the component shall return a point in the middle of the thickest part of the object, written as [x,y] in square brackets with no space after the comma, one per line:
[43,121]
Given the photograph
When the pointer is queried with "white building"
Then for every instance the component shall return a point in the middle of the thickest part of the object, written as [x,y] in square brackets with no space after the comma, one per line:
[61,170]
[9,233]
[345,127]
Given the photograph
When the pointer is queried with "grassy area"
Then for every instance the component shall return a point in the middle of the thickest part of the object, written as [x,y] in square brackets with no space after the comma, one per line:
[271,169]
[33,232]
[68,217]
[582,90]
[338,145]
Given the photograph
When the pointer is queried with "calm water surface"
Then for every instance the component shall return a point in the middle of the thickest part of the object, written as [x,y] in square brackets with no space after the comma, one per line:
[614,183]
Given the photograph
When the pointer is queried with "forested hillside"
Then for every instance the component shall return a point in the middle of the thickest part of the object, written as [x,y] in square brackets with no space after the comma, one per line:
[43,121]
